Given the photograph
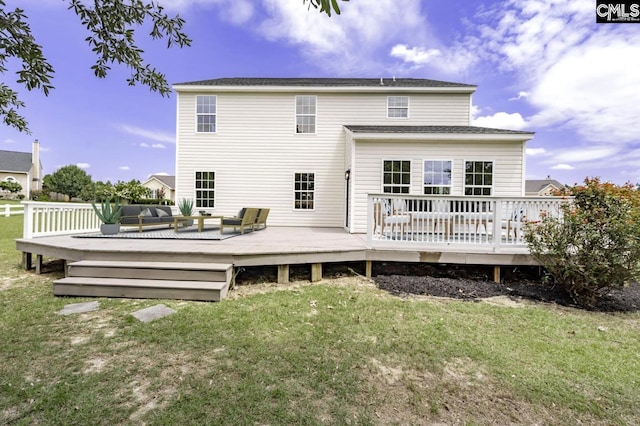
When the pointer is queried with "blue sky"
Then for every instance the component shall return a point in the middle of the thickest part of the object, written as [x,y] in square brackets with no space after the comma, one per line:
[540,65]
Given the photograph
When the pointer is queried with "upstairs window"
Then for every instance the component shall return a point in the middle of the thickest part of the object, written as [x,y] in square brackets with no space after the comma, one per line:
[305,114]
[206,114]
[397,107]
[205,189]
[478,177]
[396,177]
[437,177]
[304,191]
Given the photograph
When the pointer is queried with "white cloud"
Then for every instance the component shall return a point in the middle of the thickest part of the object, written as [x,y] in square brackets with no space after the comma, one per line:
[502,120]
[83,165]
[579,75]
[124,168]
[145,145]
[158,146]
[354,43]
[158,174]
[584,154]
[521,95]
[562,167]
[44,148]
[148,134]
[535,151]
[9,141]
[416,55]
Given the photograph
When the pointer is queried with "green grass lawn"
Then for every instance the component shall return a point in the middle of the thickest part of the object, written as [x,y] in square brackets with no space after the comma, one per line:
[335,352]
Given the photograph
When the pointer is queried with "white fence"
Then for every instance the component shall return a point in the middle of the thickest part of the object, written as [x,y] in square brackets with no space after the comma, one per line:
[45,219]
[7,210]
[493,223]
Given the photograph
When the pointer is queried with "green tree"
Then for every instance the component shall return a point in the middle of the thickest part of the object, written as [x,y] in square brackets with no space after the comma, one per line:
[595,244]
[112,26]
[132,190]
[68,180]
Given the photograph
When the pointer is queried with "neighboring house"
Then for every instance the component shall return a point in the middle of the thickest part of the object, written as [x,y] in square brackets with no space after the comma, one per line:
[161,184]
[542,186]
[312,149]
[22,167]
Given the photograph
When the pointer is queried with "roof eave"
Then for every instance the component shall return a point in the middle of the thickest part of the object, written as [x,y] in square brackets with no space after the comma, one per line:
[509,137]
[320,89]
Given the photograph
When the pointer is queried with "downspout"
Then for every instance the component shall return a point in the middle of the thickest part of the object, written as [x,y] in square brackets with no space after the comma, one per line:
[347,178]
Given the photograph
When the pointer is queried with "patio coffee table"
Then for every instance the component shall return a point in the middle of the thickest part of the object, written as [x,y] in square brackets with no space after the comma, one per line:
[178,219]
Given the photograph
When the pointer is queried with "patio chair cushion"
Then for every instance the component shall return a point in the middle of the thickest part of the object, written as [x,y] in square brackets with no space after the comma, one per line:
[146,213]
[161,213]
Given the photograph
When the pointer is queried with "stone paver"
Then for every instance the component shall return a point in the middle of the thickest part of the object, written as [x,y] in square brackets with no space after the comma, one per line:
[153,312]
[79,308]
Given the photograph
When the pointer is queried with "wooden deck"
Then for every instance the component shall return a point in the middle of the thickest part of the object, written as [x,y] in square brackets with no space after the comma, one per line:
[279,246]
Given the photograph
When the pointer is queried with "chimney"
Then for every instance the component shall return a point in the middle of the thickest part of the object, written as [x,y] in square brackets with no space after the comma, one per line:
[36,168]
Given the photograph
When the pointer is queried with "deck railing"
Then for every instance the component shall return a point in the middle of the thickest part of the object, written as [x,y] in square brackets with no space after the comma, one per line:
[44,219]
[492,223]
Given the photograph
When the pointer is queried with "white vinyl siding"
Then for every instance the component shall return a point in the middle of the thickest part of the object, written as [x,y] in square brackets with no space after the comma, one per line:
[507,161]
[255,161]
[206,110]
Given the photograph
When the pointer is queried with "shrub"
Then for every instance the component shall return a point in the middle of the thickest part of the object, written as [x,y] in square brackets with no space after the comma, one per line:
[595,245]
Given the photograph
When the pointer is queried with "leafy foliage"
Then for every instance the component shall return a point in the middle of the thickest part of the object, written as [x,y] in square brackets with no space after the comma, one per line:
[108,214]
[185,205]
[112,28]
[111,24]
[595,244]
[10,186]
[132,190]
[325,6]
[69,180]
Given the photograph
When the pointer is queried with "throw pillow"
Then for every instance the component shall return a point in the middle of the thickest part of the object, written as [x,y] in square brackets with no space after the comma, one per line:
[161,213]
[146,213]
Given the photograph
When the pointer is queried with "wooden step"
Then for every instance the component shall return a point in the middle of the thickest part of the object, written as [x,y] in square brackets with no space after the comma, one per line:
[172,271]
[141,288]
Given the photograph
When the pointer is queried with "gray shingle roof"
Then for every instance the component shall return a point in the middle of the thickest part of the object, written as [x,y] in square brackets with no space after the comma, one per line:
[433,129]
[537,185]
[170,181]
[12,161]
[326,82]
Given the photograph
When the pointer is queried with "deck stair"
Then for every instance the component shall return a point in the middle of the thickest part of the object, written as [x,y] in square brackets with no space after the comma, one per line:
[146,280]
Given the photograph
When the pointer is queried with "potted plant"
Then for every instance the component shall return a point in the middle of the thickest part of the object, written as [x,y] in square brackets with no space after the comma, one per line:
[109,216]
[185,205]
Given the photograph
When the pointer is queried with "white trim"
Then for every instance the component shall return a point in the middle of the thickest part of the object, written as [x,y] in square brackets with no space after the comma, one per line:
[195,189]
[382,184]
[408,107]
[422,185]
[215,115]
[293,191]
[295,116]
[464,177]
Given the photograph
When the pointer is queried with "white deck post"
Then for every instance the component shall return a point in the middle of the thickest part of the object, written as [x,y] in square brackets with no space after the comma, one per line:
[27,227]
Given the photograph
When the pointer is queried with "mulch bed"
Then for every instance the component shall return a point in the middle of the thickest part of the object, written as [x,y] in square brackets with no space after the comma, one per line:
[474,283]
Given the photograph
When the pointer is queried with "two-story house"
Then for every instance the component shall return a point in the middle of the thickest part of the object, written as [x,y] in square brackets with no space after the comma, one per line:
[312,149]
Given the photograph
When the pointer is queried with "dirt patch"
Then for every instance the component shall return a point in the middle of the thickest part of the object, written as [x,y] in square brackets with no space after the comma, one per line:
[473,284]
[462,282]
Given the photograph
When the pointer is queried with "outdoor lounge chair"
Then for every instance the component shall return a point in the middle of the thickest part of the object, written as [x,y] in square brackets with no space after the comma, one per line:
[246,218]
[262,218]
